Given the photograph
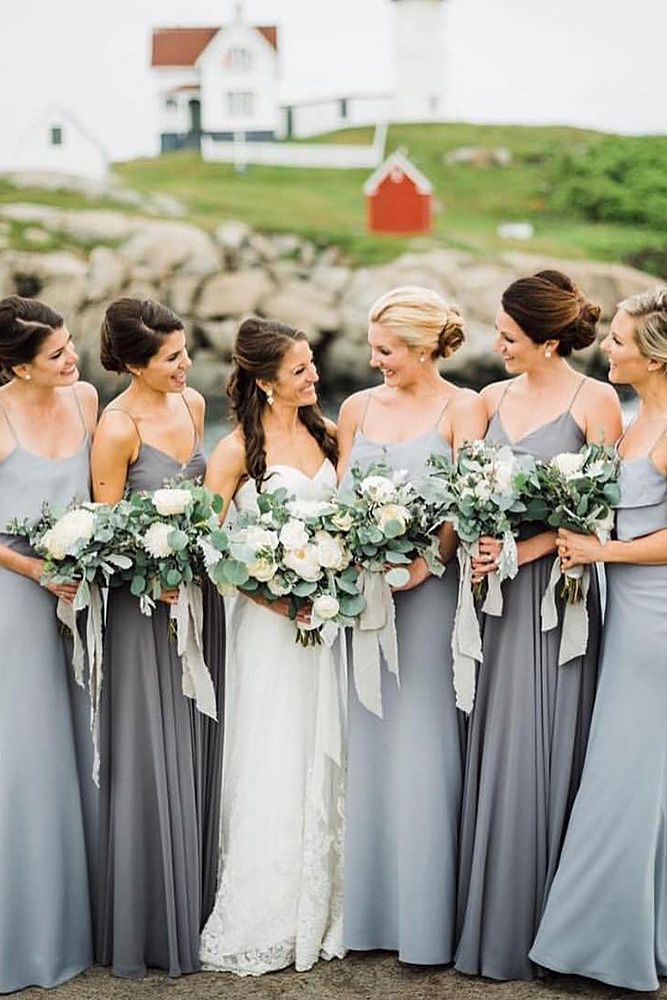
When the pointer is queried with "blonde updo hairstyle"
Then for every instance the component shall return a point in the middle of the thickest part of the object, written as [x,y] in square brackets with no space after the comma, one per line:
[421,319]
[649,311]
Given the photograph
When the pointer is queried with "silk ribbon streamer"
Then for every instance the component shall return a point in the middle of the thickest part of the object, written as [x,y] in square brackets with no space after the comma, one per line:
[375,633]
[508,567]
[92,654]
[330,712]
[574,632]
[466,636]
[188,614]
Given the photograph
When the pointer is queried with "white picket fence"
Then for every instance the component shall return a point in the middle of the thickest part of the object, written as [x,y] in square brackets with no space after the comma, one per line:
[290,154]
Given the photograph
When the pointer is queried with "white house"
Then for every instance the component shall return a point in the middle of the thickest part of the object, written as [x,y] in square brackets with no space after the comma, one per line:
[418,61]
[57,143]
[216,82]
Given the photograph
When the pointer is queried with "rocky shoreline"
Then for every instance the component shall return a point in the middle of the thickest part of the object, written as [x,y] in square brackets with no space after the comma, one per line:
[213,280]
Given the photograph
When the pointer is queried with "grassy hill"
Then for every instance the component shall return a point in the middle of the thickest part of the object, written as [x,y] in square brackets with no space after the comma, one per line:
[328,205]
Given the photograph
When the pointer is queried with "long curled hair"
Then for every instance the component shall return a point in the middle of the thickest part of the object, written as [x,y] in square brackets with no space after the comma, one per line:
[261,345]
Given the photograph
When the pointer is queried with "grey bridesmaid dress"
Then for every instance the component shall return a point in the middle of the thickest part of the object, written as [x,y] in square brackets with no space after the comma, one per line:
[45,919]
[526,744]
[405,770]
[606,915]
[160,776]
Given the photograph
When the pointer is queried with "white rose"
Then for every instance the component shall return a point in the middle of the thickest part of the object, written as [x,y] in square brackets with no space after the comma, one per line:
[325,607]
[262,569]
[342,520]
[392,512]
[399,477]
[278,585]
[303,560]
[171,501]
[378,489]
[72,528]
[483,490]
[155,541]
[293,535]
[260,538]
[309,508]
[568,464]
[330,551]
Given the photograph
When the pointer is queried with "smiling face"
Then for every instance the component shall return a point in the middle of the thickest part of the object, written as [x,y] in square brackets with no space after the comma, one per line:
[55,364]
[627,365]
[399,363]
[295,382]
[167,370]
[517,350]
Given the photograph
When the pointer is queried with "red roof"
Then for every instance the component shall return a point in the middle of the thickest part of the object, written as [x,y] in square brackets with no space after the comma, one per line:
[183,46]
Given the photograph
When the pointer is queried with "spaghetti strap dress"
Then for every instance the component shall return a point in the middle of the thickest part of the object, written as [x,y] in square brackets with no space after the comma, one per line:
[160,774]
[45,914]
[606,915]
[527,739]
[405,770]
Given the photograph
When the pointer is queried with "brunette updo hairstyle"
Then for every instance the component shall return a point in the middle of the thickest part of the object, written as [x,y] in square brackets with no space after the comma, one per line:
[549,306]
[132,333]
[649,311]
[24,326]
[421,319]
[261,345]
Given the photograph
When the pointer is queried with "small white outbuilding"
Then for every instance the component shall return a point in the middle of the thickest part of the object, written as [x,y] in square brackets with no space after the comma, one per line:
[57,143]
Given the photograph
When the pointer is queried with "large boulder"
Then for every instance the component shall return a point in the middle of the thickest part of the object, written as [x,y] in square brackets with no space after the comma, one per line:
[233,294]
[305,306]
[108,273]
[165,247]
[209,374]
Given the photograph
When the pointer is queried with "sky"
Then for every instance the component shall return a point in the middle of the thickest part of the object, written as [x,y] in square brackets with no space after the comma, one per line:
[597,63]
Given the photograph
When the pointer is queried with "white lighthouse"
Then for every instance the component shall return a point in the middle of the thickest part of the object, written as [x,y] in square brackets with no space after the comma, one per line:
[418,60]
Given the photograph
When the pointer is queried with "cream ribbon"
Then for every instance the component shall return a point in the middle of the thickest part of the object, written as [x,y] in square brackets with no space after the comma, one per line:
[466,637]
[188,614]
[330,714]
[92,654]
[508,567]
[375,633]
[574,632]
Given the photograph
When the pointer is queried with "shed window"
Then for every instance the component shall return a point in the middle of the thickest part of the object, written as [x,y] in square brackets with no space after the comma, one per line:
[240,104]
[56,135]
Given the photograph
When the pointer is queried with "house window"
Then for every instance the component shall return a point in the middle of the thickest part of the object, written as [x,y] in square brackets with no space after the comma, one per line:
[343,108]
[56,135]
[238,60]
[240,104]
[171,103]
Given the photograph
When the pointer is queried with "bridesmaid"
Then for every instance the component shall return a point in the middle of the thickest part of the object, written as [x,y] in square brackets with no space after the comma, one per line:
[530,721]
[47,418]
[161,760]
[406,769]
[606,916]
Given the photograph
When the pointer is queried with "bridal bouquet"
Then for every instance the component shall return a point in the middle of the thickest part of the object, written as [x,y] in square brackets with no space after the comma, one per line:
[388,526]
[486,491]
[293,549]
[580,491]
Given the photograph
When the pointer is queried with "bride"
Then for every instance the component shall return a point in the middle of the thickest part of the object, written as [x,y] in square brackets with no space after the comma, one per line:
[279,899]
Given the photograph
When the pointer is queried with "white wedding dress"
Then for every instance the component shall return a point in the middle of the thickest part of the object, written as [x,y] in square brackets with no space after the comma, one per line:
[280,892]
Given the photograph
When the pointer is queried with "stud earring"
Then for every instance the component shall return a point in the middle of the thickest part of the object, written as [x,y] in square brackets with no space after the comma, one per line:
[422,358]
[28,377]
[269,396]
[547,353]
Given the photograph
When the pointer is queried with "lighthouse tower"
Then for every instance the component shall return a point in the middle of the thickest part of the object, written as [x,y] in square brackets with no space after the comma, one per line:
[418,60]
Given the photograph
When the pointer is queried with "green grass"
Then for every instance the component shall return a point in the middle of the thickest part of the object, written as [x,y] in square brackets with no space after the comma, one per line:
[328,206]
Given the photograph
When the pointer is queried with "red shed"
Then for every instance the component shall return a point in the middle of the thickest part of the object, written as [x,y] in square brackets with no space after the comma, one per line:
[399,198]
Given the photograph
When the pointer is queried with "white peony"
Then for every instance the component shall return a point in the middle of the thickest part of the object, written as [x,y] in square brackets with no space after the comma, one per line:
[342,520]
[325,607]
[260,538]
[378,489]
[278,585]
[171,501]
[483,490]
[293,534]
[263,568]
[392,512]
[331,551]
[309,508]
[68,532]
[304,561]
[504,470]
[569,465]
[156,540]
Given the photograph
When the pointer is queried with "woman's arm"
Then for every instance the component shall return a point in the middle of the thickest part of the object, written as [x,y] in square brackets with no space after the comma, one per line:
[602,414]
[469,418]
[114,449]
[226,468]
[348,422]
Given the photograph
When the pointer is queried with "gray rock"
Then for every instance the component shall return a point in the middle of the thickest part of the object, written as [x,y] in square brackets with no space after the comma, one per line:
[97,226]
[209,374]
[304,306]
[219,336]
[233,294]
[108,272]
[36,235]
[286,244]
[331,278]
[165,247]
[263,246]
[232,234]
[182,292]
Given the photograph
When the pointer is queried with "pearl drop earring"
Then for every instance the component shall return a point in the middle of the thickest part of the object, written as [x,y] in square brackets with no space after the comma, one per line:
[422,358]
[269,396]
